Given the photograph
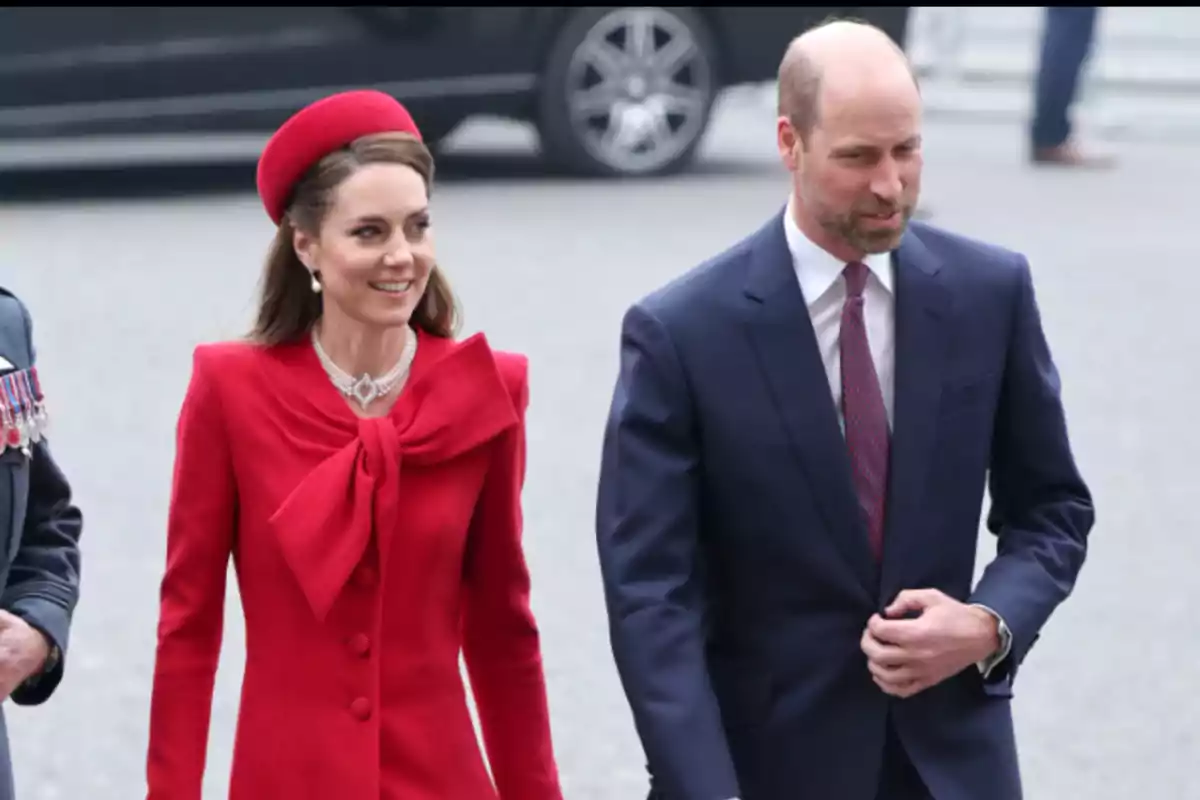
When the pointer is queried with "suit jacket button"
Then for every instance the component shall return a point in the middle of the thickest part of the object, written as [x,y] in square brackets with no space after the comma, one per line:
[360,644]
[366,577]
[361,708]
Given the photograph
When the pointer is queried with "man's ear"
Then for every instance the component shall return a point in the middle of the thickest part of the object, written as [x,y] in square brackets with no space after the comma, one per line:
[789,143]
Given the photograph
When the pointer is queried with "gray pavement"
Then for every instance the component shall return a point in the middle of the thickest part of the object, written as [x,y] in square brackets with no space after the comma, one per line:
[122,291]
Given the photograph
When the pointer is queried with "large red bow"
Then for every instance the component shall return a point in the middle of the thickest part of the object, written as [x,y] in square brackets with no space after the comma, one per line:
[325,525]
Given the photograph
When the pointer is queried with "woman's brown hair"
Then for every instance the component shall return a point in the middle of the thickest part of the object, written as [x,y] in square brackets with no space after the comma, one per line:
[288,307]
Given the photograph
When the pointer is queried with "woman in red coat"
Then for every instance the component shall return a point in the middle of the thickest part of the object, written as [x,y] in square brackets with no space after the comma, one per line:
[364,471]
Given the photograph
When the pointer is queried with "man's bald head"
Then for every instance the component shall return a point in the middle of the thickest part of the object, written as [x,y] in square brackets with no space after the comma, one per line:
[849,132]
[835,55]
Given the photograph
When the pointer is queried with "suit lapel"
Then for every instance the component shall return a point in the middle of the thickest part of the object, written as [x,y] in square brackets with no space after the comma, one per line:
[783,338]
[922,303]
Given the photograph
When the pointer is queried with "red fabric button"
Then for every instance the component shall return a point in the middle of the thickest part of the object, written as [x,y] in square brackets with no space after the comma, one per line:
[361,708]
[360,644]
[366,576]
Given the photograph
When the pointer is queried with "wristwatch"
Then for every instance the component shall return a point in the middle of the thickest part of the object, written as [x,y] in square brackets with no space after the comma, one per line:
[1005,634]
[51,662]
[55,656]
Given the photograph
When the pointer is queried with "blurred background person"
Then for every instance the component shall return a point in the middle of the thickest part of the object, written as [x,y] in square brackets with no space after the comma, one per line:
[1067,37]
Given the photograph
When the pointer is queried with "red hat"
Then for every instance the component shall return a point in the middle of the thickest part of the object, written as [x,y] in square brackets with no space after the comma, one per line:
[319,129]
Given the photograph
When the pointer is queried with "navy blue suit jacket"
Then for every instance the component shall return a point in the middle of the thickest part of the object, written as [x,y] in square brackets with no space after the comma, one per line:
[735,558]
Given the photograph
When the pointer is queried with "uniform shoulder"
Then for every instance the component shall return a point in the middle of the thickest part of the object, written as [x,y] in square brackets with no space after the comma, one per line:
[16,328]
[12,309]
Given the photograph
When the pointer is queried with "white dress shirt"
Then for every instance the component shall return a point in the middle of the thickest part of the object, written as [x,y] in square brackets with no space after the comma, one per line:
[824,288]
[821,281]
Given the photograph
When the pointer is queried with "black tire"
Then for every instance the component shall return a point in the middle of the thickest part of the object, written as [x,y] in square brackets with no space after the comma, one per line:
[572,149]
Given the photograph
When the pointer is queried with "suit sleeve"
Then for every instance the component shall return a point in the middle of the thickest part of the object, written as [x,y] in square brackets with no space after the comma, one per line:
[43,584]
[192,595]
[647,531]
[501,643]
[1041,509]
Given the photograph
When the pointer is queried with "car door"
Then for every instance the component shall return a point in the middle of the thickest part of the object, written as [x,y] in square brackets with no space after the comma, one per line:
[147,70]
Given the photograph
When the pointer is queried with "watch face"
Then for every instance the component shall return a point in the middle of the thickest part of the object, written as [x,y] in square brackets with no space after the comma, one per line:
[1005,638]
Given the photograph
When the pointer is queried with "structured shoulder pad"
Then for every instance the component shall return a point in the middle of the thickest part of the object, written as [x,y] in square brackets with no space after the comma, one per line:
[514,369]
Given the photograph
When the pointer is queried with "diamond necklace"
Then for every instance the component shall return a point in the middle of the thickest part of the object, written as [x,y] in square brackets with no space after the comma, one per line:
[366,389]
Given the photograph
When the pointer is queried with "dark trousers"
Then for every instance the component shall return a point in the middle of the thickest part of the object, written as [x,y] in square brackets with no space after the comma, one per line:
[1066,43]
[899,779]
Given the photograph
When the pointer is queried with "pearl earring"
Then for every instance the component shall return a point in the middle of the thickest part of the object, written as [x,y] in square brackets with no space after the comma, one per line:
[316,284]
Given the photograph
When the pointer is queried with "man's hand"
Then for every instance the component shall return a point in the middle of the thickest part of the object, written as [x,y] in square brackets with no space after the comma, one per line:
[907,656]
[23,652]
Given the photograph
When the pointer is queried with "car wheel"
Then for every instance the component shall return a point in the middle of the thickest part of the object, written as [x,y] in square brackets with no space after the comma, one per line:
[627,91]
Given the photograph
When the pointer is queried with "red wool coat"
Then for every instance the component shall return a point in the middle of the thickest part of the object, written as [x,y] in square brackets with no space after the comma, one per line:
[368,553]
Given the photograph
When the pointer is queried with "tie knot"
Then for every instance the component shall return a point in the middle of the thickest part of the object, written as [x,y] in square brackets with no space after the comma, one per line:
[856,278]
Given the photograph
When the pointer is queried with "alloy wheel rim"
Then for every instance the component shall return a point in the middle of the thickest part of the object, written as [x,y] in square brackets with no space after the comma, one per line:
[638,88]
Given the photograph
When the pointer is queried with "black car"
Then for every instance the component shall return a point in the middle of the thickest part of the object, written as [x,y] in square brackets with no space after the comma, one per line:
[611,91]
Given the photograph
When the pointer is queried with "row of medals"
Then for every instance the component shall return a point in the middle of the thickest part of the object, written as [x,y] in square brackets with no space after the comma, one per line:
[23,416]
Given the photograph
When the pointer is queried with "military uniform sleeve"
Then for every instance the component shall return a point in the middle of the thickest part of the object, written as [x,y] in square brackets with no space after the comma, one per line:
[43,581]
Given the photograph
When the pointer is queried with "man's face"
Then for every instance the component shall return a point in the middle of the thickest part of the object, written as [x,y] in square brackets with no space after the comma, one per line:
[858,176]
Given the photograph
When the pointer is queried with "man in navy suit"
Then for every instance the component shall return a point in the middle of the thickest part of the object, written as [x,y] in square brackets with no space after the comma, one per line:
[793,472]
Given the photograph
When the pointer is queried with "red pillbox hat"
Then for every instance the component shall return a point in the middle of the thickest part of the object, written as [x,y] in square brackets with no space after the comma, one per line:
[319,129]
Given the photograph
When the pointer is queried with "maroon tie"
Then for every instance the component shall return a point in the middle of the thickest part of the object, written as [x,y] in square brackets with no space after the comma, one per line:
[863,409]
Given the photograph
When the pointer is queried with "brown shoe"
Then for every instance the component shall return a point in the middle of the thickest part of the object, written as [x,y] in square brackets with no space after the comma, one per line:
[1069,154]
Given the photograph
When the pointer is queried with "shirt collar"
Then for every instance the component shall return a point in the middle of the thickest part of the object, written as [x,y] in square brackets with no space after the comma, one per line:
[818,270]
